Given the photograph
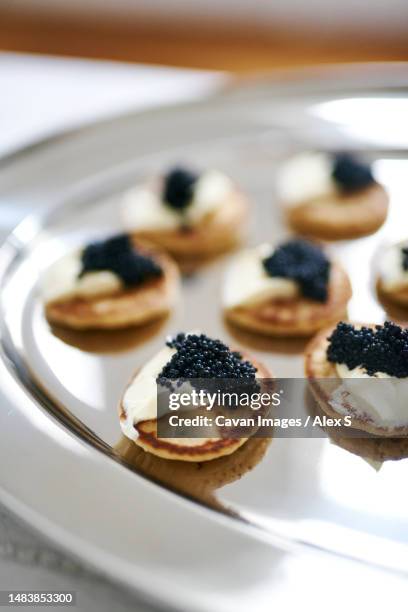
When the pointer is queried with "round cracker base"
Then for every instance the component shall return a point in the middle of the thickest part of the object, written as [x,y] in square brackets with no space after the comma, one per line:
[218,233]
[196,449]
[318,367]
[341,217]
[132,307]
[296,318]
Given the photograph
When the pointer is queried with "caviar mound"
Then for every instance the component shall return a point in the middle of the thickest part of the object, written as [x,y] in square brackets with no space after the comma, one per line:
[350,174]
[303,262]
[121,257]
[383,348]
[189,449]
[296,317]
[219,232]
[324,381]
[198,356]
[134,306]
[178,188]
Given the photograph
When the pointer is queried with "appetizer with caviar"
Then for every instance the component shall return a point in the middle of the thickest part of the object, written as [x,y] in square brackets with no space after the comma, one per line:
[110,284]
[392,282]
[186,356]
[188,214]
[291,290]
[368,370]
[331,197]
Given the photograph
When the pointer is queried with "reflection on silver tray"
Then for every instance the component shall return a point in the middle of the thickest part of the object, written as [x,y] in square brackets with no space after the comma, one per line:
[299,490]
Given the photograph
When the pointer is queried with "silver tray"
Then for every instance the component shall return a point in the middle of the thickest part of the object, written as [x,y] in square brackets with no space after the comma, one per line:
[264,522]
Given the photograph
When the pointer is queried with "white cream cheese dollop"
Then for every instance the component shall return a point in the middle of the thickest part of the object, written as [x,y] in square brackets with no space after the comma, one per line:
[143,208]
[140,399]
[392,274]
[247,283]
[383,398]
[305,177]
[61,281]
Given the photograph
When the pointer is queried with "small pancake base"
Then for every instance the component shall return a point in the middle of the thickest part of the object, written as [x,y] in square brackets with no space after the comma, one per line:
[296,318]
[317,367]
[339,217]
[218,233]
[131,307]
[188,449]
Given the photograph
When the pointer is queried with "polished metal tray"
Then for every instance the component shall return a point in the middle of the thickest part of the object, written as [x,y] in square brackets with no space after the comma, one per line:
[65,467]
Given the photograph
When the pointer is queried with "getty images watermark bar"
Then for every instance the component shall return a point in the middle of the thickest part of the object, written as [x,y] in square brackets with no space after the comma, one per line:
[37,598]
[286,407]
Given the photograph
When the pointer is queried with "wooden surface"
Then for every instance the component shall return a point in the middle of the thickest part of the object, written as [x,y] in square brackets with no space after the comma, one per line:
[192,45]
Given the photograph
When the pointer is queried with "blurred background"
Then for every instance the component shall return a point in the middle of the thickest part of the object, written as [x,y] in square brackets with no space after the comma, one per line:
[238,35]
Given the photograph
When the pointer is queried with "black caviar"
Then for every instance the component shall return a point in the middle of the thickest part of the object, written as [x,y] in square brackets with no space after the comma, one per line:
[119,255]
[304,263]
[383,348]
[178,188]
[405,258]
[350,174]
[199,356]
